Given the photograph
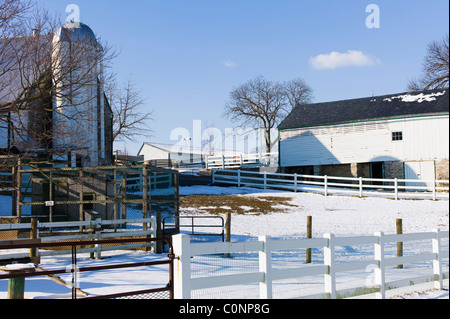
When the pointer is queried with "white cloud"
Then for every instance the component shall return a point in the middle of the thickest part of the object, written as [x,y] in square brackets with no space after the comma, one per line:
[229,64]
[336,60]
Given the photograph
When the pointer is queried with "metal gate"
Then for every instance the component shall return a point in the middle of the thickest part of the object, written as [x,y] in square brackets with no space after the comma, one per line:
[165,292]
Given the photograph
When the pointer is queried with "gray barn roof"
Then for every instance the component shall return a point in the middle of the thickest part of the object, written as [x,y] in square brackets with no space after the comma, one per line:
[359,110]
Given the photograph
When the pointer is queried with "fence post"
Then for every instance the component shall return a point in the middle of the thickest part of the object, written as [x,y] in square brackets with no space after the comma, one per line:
[396,188]
[437,262]
[228,232]
[158,244]
[434,190]
[399,226]
[34,234]
[380,279]
[296,182]
[326,185]
[265,266]
[98,233]
[213,171]
[329,261]
[360,187]
[309,236]
[182,266]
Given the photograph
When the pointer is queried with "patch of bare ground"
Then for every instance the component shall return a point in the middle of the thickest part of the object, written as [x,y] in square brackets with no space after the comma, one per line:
[236,204]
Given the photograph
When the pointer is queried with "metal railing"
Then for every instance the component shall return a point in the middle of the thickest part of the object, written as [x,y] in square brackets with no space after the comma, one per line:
[166,226]
[75,270]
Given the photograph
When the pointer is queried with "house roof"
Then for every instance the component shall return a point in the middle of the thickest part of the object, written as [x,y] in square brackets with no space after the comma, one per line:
[410,104]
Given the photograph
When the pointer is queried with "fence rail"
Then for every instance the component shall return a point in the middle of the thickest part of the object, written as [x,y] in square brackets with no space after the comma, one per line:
[75,270]
[240,160]
[332,184]
[184,250]
[93,230]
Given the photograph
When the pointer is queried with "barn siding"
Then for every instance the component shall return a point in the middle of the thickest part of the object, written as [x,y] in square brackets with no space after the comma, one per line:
[425,138]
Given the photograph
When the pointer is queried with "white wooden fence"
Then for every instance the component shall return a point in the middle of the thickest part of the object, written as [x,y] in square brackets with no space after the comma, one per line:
[184,250]
[69,231]
[240,160]
[332,185]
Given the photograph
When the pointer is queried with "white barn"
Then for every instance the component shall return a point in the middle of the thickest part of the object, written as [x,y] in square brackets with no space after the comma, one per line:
[171,155]
[396,136]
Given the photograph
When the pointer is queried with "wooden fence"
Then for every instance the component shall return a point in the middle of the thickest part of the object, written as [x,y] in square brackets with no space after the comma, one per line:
[185,284]
[96,229]
[331,184]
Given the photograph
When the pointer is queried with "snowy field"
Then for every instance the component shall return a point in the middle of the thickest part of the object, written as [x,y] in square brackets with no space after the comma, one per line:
[339,215]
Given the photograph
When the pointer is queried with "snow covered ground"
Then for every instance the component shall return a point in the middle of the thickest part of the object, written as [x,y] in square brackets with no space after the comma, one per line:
[339,215]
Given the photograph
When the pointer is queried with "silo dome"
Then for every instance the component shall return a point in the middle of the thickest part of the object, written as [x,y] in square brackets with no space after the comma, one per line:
[75,31]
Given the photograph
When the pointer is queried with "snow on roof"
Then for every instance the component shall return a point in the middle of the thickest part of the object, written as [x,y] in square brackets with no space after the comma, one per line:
[416,98]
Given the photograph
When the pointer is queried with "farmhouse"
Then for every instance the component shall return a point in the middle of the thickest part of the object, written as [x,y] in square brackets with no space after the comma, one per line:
[395,136]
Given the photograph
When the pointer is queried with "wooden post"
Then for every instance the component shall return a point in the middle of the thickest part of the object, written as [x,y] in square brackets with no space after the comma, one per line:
[81,198]
[34,235]
[145,195]
[16,286]
[19,190]
[158,233]
[228,232]
[309,236]
[399,244]
[50,195]
[124,196]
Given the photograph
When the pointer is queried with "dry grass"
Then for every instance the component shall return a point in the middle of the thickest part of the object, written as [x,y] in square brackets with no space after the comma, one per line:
[236,204]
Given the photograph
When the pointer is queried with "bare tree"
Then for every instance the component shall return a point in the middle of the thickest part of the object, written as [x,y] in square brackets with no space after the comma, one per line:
[51,75]
[435,68]
[262,103]
[129,118]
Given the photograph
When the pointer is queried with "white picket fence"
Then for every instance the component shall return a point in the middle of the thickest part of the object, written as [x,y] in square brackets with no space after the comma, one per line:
[265,246]
[240,160]
[69,231]
[328,185]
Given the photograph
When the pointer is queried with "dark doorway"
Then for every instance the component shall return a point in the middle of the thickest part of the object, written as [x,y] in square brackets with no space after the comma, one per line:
[377,171]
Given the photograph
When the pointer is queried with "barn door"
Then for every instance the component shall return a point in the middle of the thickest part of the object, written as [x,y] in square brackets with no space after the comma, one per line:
[422,171]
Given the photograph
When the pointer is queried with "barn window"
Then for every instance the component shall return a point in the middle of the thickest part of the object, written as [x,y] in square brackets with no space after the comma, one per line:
[397,136]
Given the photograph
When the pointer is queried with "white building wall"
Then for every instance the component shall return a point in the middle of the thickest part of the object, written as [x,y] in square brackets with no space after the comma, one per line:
[425,138]
[152,153]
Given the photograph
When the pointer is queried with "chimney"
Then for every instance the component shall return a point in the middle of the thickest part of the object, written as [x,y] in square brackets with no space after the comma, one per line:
[35,32]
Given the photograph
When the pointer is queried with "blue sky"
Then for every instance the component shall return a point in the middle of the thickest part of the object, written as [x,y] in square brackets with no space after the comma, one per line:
[187,55]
